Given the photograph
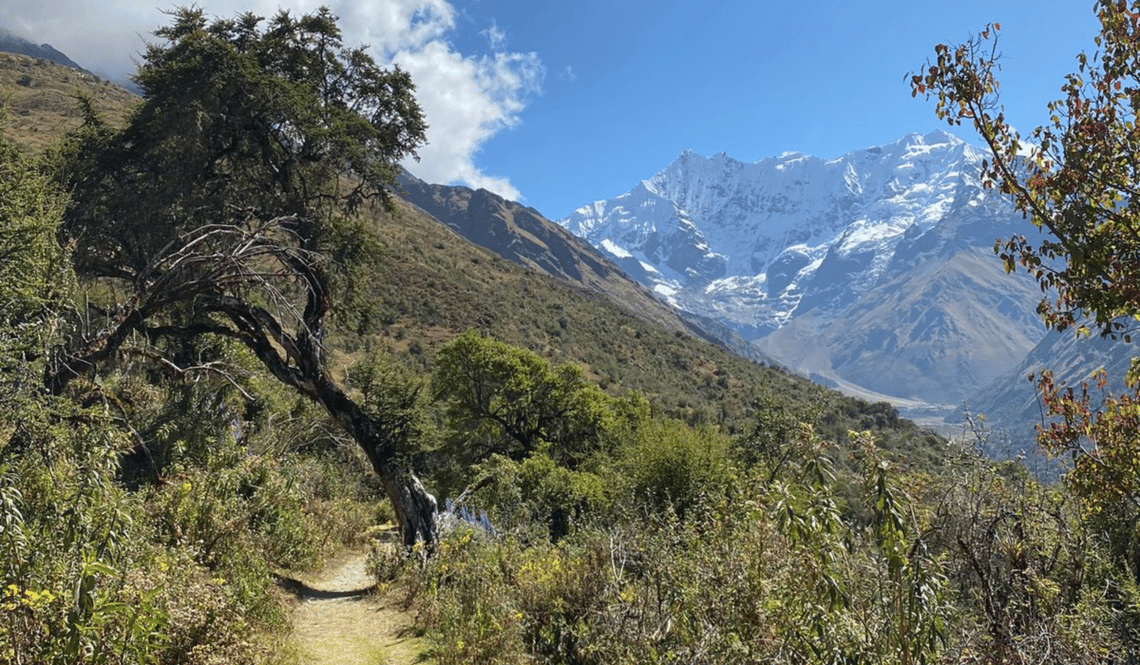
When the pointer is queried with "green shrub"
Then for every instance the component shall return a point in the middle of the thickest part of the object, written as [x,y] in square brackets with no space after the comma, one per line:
[537,493]
[669,464]
[231,505]
[67,537]
[753,572]
[461,600]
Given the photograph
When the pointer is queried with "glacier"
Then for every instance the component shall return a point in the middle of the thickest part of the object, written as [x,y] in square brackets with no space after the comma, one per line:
[873,270]
[740,241]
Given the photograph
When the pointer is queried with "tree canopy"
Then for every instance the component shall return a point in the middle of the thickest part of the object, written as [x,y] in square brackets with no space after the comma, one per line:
[509,401]
[1077,179]
[226,207]
[239,122]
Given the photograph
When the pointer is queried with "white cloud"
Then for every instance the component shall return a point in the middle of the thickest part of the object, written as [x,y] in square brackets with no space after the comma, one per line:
[497,36]
[467,99]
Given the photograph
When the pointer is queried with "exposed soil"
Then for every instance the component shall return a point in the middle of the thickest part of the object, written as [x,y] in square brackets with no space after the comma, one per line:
[342,619]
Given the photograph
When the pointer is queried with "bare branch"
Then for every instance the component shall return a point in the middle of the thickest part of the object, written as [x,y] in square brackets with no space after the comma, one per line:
[222,370]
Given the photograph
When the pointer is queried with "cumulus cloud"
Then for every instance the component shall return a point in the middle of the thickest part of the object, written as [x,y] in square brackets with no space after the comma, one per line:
[467,101]
[467,98]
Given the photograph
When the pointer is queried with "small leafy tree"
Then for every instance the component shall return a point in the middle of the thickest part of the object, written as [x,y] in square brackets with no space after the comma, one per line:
[504,400]
[227,207]
[1076,179]
[35,276]
[36,282]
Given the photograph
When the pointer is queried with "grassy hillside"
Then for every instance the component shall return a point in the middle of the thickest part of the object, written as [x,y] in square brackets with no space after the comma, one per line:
[433,285]
[524,236]
[41,99]
[521,234]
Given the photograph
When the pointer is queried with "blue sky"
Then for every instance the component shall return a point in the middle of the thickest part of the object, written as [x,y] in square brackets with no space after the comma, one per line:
[631,84]
[561,103]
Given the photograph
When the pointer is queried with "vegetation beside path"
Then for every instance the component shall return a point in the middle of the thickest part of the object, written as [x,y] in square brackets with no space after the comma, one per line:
[647,500]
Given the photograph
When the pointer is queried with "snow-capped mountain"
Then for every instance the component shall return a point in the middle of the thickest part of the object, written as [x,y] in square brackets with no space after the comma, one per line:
[874,270]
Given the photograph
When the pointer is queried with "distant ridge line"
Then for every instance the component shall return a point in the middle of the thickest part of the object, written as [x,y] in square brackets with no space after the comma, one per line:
[12,43]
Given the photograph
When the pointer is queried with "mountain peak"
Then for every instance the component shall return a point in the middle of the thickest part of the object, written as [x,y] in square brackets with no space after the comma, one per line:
[936,141]
[758,245]
[932,138]
[13,43]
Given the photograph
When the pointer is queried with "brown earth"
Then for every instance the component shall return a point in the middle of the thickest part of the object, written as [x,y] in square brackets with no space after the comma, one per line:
[40,100]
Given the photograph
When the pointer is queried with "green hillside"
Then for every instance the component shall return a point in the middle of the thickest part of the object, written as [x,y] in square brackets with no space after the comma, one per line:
[433,285]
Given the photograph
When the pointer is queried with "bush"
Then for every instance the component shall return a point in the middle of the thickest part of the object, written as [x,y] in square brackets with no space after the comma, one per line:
[751,573]
[178,571]
[66,548]
[461,600]
[671,465]
[536,493]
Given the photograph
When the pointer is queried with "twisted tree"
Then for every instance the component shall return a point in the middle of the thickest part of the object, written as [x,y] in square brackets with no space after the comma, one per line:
[227,206]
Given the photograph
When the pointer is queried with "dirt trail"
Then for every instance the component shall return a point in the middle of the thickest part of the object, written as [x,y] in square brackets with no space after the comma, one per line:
[340,619]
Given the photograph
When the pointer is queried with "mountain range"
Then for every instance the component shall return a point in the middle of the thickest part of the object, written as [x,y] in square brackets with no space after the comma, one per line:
[873,272]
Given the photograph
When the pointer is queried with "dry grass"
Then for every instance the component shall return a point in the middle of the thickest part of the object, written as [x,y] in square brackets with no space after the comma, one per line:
[41,100]
[366,629]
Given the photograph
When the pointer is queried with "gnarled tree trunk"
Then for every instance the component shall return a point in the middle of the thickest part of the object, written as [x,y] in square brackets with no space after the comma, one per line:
[289,347]
[416,509]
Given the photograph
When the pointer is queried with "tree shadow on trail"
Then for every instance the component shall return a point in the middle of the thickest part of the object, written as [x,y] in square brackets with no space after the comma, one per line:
[305,592]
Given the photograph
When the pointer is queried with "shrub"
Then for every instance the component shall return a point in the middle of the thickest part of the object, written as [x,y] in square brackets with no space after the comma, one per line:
[536,492]
[66,536]
[669,464]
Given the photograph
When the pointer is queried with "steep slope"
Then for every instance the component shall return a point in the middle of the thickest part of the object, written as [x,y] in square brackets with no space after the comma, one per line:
[874,269]
[524,236]
[1011,404]
[432,284]
[41,99]
[740,241]
[942,320]
[11,43]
